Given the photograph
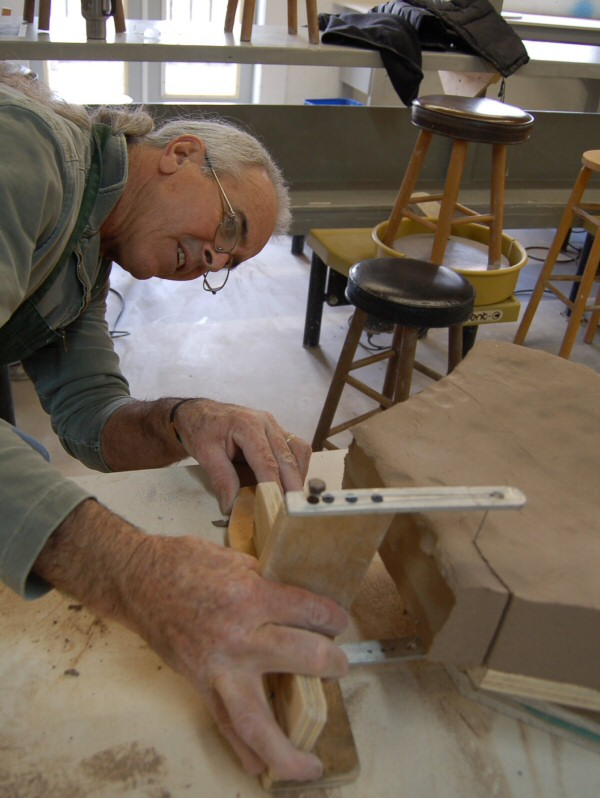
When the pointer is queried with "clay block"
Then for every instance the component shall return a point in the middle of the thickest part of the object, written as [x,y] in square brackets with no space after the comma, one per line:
[514,591]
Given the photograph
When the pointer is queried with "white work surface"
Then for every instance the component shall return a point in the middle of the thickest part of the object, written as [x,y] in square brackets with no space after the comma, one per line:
[88,710]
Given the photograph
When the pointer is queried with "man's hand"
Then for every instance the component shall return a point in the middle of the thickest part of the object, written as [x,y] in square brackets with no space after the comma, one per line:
[139,435]
[209,614]
[217,435]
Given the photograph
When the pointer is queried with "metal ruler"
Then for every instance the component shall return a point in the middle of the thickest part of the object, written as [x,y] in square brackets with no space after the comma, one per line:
[380,652]
[402,500]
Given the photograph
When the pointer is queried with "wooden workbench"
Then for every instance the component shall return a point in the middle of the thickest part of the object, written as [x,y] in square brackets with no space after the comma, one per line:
[88,710]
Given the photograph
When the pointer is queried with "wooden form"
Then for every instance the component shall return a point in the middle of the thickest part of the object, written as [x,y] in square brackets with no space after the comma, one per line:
[248,19]
[514,597]
[329,556]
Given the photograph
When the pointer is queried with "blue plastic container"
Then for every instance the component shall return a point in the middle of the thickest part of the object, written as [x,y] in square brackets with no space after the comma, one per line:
[334,101]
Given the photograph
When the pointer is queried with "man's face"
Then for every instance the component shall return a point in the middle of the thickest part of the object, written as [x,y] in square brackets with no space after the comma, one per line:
[170,226]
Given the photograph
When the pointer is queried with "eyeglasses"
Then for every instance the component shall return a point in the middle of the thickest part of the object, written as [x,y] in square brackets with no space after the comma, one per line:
[228,231]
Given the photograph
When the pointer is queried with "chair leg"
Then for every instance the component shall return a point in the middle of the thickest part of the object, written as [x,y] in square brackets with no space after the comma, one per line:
[338,381]
[391,372]
[497,205]
[562,231]
[409,181]
[447,210]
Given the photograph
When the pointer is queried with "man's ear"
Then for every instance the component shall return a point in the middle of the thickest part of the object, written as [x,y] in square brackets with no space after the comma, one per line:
[180,151]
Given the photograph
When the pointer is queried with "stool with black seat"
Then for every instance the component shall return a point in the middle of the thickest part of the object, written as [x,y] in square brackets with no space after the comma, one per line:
[465,120]
[410,294]
[588,271]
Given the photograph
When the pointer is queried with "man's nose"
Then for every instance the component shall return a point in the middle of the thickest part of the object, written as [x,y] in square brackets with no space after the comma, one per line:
[215,260]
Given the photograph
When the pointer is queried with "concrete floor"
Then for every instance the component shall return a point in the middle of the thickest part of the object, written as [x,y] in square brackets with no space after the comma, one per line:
[244,345]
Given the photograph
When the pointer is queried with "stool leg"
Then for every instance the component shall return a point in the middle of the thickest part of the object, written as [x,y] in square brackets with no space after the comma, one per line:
[247,20]
[409,181]
[230,15]
[44,11]
[357,325]
[455,346]
[312,17]
[406,360]
[391,372]
[451,189]
[120,26]
[563,229]
[292,9]
[593,322]
[497,205]
[28,10]
[585,289]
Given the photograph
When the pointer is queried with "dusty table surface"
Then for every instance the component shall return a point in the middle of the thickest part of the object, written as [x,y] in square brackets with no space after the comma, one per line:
[88,710]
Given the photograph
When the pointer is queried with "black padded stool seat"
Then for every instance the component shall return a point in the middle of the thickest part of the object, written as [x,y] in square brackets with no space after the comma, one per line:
[466,121]
[472,119]
[411,294]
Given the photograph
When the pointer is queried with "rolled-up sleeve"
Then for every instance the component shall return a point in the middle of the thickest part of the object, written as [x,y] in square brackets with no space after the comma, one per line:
[35,499]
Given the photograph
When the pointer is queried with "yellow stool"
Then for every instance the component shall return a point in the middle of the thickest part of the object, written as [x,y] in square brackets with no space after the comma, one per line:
[312,19]
[336,250]
[575,208]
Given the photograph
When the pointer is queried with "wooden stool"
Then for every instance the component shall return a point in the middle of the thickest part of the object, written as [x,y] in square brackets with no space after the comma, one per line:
[248,19]
[575,208]
[45,9]
[464,120]
[410,294]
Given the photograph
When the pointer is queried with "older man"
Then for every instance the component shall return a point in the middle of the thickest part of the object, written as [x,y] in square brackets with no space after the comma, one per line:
[193,198]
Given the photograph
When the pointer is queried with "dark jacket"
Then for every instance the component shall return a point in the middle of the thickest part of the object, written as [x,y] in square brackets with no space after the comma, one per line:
[471,25]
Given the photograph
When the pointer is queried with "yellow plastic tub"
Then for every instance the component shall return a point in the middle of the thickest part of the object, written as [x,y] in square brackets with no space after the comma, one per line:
[491,286]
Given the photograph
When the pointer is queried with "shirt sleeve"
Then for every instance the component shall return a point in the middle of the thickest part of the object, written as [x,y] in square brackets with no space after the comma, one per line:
[80,384]
[35,499]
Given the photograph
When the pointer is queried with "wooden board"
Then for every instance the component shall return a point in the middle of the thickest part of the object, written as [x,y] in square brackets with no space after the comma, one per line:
[329,556]
[516,593]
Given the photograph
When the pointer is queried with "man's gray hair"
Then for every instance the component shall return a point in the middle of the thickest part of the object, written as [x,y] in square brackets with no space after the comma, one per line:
[231,149]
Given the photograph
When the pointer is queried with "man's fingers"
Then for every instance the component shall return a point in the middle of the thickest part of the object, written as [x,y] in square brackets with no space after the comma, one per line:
[280,649]
[251,721]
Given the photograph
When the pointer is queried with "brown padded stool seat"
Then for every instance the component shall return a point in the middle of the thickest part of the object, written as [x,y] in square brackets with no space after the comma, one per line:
[472,118]
[411,294]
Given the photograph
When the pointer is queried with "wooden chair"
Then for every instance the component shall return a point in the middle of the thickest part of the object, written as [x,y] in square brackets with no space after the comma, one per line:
[45,9]
[579,302]
[463,120]
[248,19]
[411,294]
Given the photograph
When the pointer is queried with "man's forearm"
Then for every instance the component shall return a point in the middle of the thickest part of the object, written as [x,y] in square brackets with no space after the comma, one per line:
[140,435]
[89,557]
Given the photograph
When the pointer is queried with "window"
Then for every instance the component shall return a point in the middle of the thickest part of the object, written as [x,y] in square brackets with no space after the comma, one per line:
[118,82]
